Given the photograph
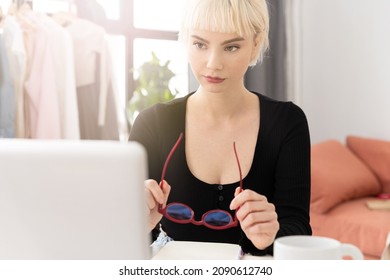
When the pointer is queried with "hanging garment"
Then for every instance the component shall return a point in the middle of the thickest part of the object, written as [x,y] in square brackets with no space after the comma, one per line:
[7,95]
[63,64]
[95,91]
[17,60]
[41,97]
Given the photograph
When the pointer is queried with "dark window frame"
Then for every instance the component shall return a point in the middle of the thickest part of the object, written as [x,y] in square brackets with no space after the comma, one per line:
[125,26]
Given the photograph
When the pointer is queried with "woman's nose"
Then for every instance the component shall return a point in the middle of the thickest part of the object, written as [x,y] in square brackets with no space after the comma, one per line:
[214,61]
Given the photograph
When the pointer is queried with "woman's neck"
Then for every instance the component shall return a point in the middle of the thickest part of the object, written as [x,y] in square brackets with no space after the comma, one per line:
[223,105]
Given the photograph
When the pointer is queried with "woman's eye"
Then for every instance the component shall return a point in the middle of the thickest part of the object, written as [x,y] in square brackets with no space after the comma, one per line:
[199,45]
[232,48]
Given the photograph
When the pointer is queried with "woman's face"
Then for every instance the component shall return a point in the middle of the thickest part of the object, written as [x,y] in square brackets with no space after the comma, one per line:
[219,60]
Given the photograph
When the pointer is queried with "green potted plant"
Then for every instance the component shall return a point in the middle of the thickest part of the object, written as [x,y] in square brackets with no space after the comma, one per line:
[151,86]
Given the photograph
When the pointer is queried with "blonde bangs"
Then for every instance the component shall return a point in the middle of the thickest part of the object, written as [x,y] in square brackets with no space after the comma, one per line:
[219,16]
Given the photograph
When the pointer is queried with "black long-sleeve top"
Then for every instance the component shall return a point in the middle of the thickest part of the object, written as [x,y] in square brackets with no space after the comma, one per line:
[280,170]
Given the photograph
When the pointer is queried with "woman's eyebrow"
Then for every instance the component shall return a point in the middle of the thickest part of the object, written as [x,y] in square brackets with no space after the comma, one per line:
[237,39]
[200,39]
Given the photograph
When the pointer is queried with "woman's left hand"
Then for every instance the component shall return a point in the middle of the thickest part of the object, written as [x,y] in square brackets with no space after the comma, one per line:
[257,217]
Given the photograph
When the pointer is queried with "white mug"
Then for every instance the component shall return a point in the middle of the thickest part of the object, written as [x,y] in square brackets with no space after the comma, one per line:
[307,247]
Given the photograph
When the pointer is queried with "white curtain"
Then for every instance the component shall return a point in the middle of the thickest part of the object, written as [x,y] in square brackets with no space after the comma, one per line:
[294,50]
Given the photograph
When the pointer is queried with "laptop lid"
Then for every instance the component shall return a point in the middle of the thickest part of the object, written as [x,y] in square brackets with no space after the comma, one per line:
[72,200]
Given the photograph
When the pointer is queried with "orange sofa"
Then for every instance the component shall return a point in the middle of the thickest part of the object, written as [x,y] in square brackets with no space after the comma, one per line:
[347,181]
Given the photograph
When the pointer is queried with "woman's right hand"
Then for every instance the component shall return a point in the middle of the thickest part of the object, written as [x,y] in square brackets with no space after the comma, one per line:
[155,196]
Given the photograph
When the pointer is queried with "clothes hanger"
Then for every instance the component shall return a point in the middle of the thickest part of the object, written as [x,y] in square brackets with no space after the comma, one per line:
[66,18]
[13,7]
[24,8]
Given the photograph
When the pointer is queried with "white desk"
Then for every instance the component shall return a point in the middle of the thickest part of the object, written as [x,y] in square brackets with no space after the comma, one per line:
[186,250]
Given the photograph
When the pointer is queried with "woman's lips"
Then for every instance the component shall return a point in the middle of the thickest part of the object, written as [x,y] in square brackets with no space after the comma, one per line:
[214,80]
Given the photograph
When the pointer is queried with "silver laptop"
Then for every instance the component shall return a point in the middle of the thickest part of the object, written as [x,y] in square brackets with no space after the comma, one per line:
[72,200]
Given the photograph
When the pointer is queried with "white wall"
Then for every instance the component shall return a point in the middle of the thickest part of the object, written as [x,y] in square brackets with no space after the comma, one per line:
[345,68]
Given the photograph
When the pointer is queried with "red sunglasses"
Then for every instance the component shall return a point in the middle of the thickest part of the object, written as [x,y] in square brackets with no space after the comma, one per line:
[180,213]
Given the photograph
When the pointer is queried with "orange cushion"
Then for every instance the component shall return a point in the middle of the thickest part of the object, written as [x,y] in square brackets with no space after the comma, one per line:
[376,155]
[353,222]
[338,175]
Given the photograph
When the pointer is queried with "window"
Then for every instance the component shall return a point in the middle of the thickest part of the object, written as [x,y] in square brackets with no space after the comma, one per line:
[51,6]
[157,15]
[155,27]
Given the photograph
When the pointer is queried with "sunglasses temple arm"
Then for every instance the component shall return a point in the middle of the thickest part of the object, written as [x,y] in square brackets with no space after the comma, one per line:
[238,163]
[169,158]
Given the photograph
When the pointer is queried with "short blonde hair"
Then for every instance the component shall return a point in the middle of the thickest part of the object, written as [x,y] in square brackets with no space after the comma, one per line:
[244,17]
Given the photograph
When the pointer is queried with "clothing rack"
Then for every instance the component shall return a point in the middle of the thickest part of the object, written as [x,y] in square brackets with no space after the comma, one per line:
[67,84]
[19,3]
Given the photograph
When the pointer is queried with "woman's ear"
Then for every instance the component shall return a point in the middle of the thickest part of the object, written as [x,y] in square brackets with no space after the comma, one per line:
[257,40]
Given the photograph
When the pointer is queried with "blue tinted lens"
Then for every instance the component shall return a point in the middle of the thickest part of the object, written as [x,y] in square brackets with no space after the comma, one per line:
[218,219]
[179,212]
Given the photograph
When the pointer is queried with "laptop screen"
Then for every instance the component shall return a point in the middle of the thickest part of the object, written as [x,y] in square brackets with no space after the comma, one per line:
[72,200]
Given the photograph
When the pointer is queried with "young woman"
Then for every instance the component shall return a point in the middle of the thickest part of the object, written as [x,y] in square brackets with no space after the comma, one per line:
[223,132]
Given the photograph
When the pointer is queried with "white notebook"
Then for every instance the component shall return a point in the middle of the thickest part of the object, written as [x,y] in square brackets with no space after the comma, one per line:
[188,250]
